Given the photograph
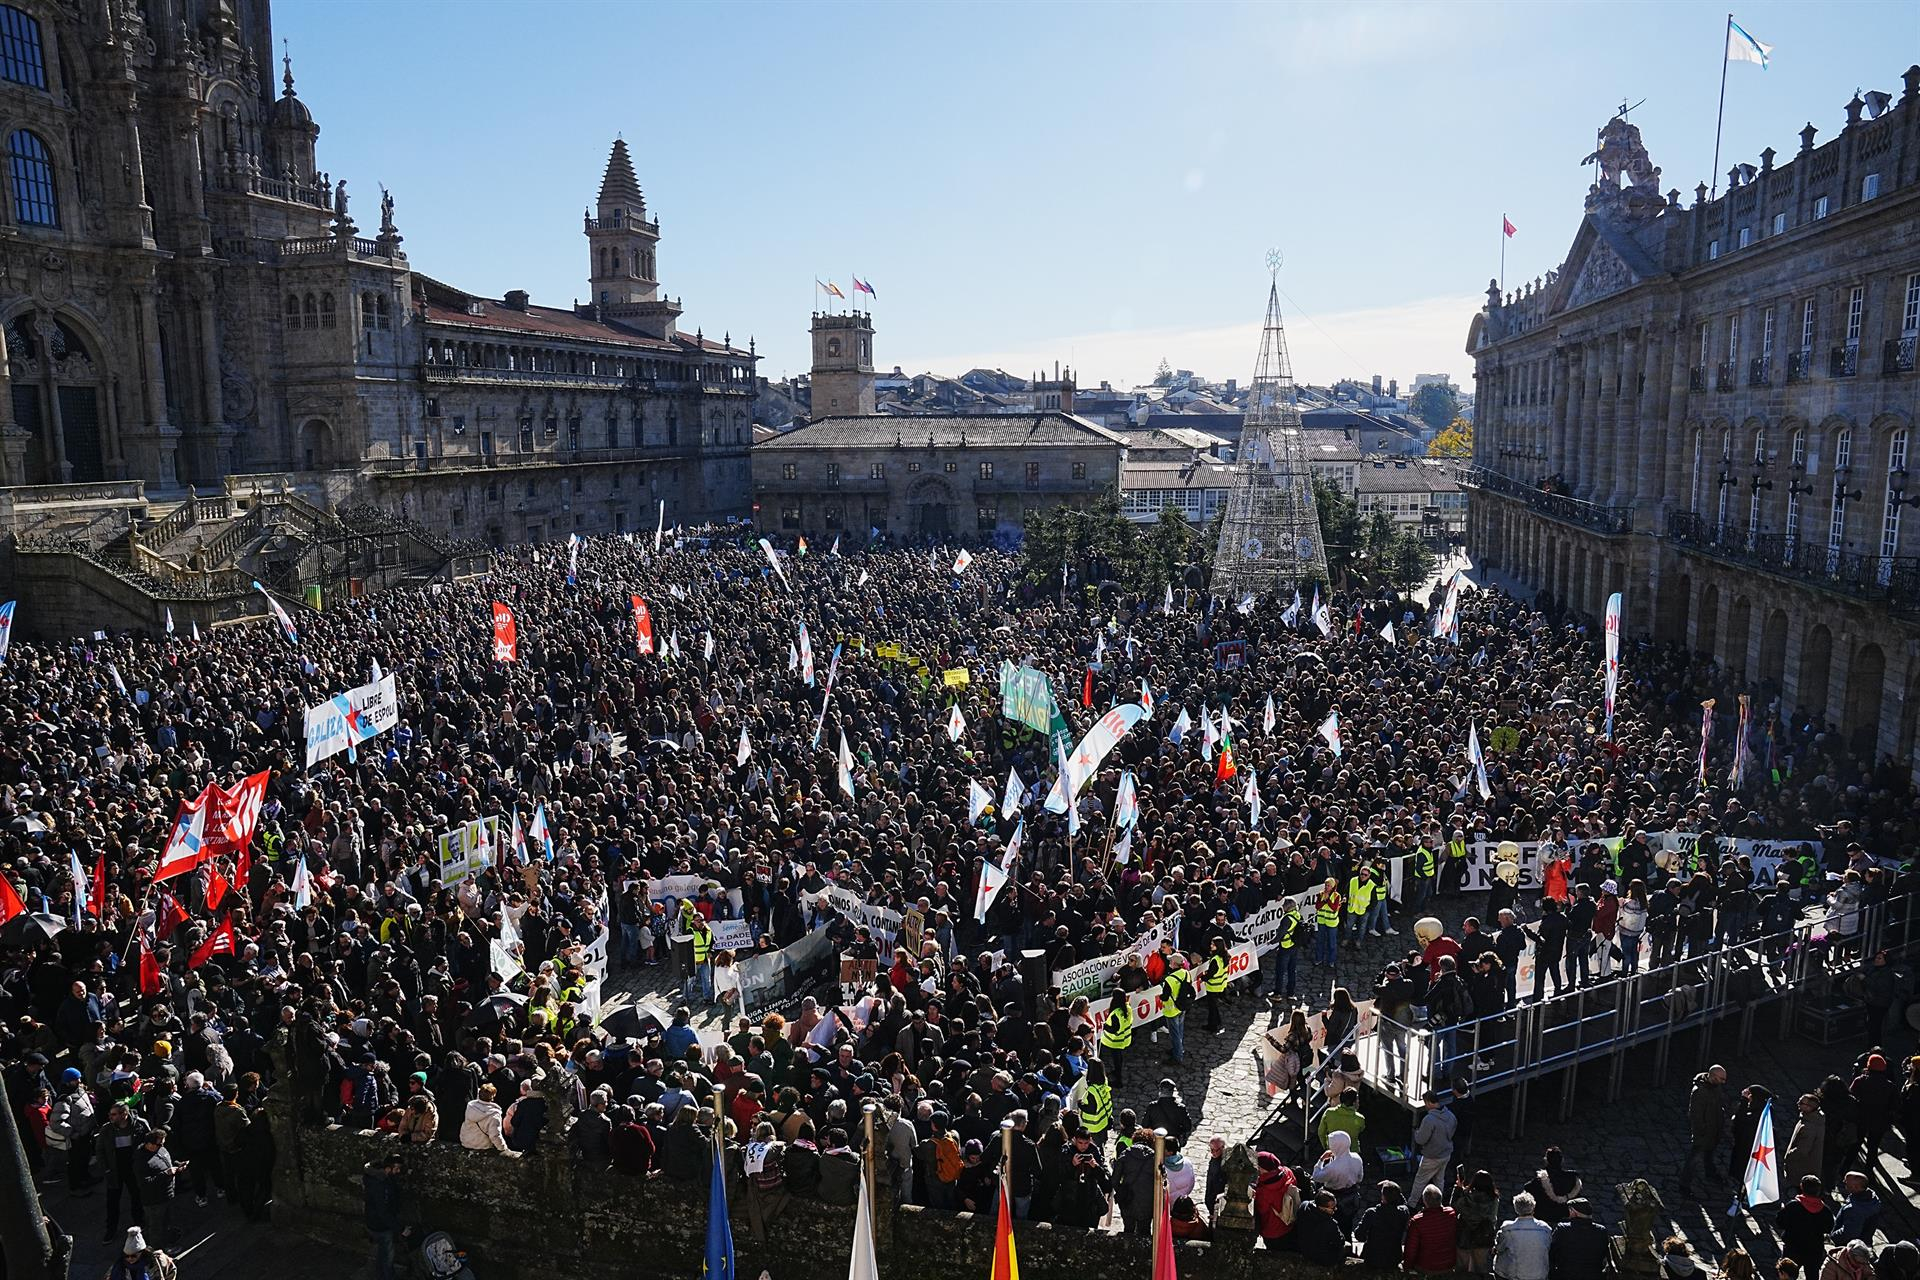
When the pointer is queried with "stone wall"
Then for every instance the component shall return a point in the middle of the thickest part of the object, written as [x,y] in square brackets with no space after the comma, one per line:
[538,1216]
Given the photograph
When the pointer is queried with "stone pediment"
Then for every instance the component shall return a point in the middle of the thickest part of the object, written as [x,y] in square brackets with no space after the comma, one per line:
[1604,272]
[1603,261]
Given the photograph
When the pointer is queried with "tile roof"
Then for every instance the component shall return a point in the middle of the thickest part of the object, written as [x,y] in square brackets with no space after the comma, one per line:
[948,430]
[446,305]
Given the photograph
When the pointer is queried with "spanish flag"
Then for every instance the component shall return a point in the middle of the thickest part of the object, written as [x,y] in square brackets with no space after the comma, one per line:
[1006,1264]
[830,287]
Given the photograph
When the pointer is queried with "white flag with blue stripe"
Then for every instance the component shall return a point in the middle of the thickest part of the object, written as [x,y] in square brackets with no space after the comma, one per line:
[1742,47]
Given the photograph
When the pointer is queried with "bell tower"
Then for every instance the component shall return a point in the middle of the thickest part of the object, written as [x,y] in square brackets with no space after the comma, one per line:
[621,243]
[842,364]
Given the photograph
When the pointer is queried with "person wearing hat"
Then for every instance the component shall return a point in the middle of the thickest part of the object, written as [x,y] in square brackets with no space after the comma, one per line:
[978,1180]
[1582,1249]
[70,1126]
[138,1262]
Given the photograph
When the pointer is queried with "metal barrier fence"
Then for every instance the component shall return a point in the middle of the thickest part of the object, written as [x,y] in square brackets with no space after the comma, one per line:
[1796,969]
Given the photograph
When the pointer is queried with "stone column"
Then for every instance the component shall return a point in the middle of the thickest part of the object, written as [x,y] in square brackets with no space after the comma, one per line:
[1562,396]
[1677,456]
[13,452]
[1585,431]
[1627,425]
[1597,480]
[45,330]
[153,391]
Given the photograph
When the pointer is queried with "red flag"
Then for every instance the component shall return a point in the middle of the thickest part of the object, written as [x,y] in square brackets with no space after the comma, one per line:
[99,895]
[10,904]
[1006,1262]
[150,981]
[170,917]
[506,634]
[1507,225]
[1163,1268]
[1359,620]
[186,843]
[217,943]
[216,886]
[1086,689]
[233,814]
[642,625]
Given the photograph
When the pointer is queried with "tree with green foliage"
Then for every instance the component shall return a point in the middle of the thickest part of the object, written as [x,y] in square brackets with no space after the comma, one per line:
[1435,404]
[1340,528]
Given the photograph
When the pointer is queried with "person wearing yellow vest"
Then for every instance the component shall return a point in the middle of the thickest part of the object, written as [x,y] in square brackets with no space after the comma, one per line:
[1214,979]
[1326,922]
[1116,1035]
[1361,888]
[1096,1103]
[1425,866]
[1176,991]
[1286,956]
[701,979]
[1454,877]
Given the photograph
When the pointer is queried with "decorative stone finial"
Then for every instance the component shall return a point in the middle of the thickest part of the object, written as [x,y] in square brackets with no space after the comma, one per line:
[286,63]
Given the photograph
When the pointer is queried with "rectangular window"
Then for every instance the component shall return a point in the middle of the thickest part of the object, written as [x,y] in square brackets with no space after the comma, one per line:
[1746,236]
[833,473]
[913,468]
[1733,339]
[486,444]
[1856,308]
[433,406]
[1870,186]
[951,467]
[1080,468]
[21,60]
[1706,344]
[788,471]
[986,471]
[1807,314]
[1779,224]
[878,471]
[1766,334]
[1910,309]
[1033,473]
[1821,206]
[1713,250]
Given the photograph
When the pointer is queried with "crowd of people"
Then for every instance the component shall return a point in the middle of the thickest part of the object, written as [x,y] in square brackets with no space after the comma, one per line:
[141,1052]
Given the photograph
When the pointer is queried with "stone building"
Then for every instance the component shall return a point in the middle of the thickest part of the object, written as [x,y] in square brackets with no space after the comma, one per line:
[186,299]
[1709,409]
[962,478]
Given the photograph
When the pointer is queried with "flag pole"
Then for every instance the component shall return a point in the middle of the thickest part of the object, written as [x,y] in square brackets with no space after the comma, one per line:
[1159,1185]
[1503,252]
[1720,117]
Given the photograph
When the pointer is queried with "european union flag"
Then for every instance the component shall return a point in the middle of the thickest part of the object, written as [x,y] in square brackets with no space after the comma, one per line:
[719,1263]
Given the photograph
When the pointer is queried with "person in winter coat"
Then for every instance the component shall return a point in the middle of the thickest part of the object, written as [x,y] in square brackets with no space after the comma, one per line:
[1855,1218]
[1806,1150]
[1875,1096]
[70,1126]
[1317,1232]
[1339,1170]
[1081,1196]
[525,1119]
[1582,1249]
[1706,1125]
[1382,1229]
[1133,1184]
[1433,1236]
[1803,1223]
[1433,1139]
[481,1127]
[1850,1261]
[1741,1128]
[1522,1246]
[193,1135]
[229,1138]
[1554,1187]
[1476,1204]
[1271,1186]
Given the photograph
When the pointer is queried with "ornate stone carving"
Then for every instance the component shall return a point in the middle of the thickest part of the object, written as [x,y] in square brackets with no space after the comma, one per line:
[237,398]
[1601,274]
[1641,1208]
[1235,1211]
[1628,183]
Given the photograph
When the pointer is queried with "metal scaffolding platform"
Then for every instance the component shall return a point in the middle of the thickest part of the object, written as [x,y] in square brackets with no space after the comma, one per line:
[1270,534]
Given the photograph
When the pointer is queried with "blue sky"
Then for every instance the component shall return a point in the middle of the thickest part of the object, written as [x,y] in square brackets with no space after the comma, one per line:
[1023,183]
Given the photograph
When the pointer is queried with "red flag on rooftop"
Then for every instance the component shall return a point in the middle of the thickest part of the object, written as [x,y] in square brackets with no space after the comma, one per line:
[1506,224]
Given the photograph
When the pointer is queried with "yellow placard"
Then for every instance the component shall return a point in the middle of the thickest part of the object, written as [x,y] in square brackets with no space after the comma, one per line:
[957,676]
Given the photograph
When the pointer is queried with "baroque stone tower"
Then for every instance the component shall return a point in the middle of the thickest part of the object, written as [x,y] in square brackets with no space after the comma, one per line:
[842,364]
[621,246]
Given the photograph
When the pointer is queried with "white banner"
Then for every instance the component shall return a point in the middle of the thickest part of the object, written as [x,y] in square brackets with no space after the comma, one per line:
[667,888]
[468,849]
[346,720]
[1091,977]
[881,922]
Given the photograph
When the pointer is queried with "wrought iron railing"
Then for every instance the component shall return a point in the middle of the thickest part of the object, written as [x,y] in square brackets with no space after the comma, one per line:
[1845,361]
[1697,378]
[1898,357]
[1759,371]
[1893,579]
[1560,506]
[1723,376]
[1799,366]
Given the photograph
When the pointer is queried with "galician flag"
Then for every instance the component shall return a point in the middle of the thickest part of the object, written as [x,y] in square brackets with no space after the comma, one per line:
[845,762]
[1010,799]
[1742,47]
[745,749]
[956,724]
[978,798]
[1762,1183]
[1126,806]
[992,880]
[1268,720]
[1330,730]
[1146,697]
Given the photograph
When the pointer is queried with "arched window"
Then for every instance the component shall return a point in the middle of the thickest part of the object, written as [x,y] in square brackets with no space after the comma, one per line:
[326,311]
[310,313]
[1837,518]
[833,347]
[31,173]
[21,57]
[386,316]
[1890,522]
[1798,454]
[293,311]
[614,259]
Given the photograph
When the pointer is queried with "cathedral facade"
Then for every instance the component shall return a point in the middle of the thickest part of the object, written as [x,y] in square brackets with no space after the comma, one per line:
[1709,409]
[186,299]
